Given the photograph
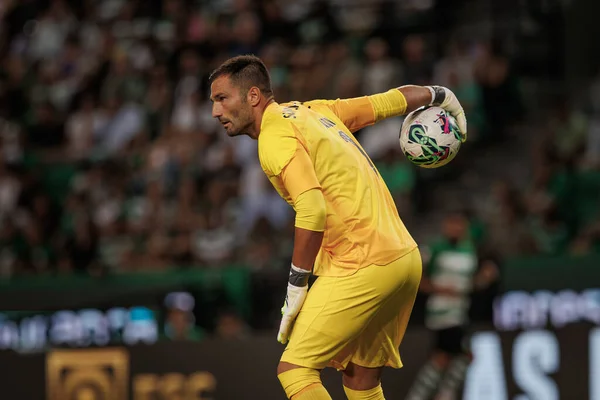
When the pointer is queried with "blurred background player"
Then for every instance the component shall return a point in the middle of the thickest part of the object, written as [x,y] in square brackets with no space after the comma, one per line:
[347,226]
[452,270]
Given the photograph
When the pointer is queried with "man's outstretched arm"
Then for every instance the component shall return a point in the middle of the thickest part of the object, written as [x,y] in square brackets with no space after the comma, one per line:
[356,113]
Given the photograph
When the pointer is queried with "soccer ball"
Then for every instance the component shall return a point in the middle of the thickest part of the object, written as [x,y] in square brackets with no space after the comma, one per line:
[430,137]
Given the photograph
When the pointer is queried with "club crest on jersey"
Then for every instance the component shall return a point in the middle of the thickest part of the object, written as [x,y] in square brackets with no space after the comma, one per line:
[290,111]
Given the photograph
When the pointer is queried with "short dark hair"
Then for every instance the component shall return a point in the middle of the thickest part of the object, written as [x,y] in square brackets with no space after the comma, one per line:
[245,71]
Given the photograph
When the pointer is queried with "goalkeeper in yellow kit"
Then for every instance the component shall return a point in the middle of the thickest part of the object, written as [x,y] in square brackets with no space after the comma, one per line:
[348,231]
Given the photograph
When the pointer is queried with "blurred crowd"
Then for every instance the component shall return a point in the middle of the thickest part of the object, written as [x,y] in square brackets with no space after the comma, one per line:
[110,159]
[557,211]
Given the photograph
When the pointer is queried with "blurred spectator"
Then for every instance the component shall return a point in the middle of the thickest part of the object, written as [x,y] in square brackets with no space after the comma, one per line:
[316,23]
[15,82]
[46,130]
[186,96]
[345,71]
[180,321]
[10,190]
[81,127]
[549,232]
[592,146]
[569,129]
[214,242]
[260,252]
[400,179]
[180,326]
[231,326]
[588,240]
[51,30]
[124,123]
[382,72]
[157,100]
[417,65]
[247,32]
[505,213]
[8,255]
[495,75]
[81,246]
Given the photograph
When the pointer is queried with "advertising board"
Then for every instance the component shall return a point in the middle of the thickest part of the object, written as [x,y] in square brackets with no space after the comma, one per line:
[544,364]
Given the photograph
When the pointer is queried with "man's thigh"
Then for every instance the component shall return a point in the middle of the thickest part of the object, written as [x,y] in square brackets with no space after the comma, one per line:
[337,311]
[378,345]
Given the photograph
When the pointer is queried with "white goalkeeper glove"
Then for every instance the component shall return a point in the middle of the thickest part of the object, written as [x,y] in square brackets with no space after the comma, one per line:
[445,98]
[294,299]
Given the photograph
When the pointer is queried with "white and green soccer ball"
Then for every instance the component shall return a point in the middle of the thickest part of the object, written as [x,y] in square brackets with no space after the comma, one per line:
[430,137]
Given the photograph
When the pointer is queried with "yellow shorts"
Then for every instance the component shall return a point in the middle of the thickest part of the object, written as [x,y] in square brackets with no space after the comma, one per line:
[359,318]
